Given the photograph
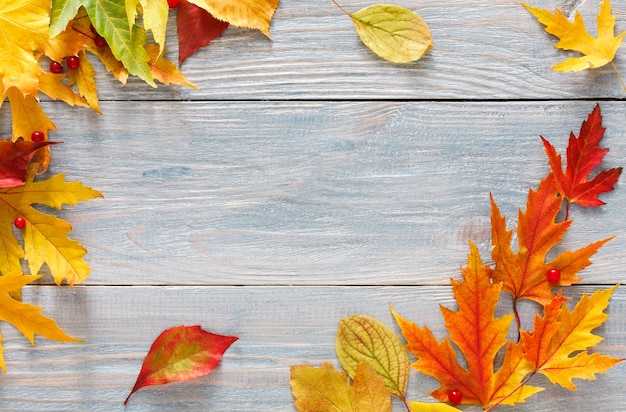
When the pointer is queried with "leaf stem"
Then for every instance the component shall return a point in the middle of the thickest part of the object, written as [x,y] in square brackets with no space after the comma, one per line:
[619,76]
[567,203]
[518,320]
[340,8]
[518,387]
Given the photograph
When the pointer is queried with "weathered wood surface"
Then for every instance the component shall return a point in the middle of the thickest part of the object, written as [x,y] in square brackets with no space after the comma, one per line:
[307,181]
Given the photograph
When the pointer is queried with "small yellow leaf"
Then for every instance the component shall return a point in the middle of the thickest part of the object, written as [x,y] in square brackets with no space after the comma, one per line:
[321,389]
[363,338]
[394,33]
[370,392]
[574,36]
[164,70]
[431,407]
[85,79]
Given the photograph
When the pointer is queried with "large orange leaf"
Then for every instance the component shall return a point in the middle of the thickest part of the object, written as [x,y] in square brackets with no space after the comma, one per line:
[523,273]
[181,353]
[584,154]
[557,347]
[574,36]
[479,335]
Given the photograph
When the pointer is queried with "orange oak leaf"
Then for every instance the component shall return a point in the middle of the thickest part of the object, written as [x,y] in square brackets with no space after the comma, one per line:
[45,236]
[574,36]
[14,160]
[327,389]
[583,155]
[196,28]
[558,345]
[479,335]
[26,318]
[181,353]
[523,273]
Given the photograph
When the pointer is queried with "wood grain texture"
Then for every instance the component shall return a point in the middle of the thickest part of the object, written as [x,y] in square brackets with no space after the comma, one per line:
[319,193]
[483,50]
[277,326]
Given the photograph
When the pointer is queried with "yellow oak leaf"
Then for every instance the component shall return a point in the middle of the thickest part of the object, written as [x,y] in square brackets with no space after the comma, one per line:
[45,236]
[557,346]
[26,318]
[327,389]
[252,14]
[597,52]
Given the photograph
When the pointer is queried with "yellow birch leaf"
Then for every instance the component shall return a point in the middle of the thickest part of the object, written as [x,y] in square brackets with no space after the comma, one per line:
[45,236]
[363,338]
[84,78]
[393,33]
[164,70]
[26,318]
[370,392]
[251,14]
[431,407]
[574,36]
[321,389]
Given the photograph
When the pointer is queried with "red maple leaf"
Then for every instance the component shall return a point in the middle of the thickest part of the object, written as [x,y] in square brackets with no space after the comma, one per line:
[196,28]
[14,160]
[583,155]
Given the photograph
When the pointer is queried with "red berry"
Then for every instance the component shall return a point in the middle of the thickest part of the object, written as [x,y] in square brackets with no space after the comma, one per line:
[56,67]
[553,275]
[173,3]
[73,62]
[38,136]
[455,397]
[19,222]
[100,41]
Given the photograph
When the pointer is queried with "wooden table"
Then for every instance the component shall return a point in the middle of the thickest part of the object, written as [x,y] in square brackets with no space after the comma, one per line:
[306,181]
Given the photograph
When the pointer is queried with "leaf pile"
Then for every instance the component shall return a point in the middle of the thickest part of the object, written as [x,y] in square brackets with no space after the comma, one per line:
[478,363]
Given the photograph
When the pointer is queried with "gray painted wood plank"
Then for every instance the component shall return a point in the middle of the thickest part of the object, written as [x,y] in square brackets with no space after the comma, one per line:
[277,326]
[483,50]
[316,192]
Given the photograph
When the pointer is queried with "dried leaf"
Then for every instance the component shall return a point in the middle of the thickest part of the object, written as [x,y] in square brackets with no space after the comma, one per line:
[478,335]
[574,36]
[392,32]
[26,318]
[327,389]
[523,273]
[252,14]
[557,347]
[45,236]
[181,353]
[363,338]
[196,28]
[14,160]
[584,154]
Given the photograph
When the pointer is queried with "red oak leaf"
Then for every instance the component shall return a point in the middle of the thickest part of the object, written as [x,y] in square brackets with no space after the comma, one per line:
[583,155]
[196,28]
[14,160]
[181,353]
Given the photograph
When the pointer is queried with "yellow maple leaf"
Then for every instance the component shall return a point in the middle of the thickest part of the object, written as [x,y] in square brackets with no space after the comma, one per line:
[252,14]
[45,236]
[164,70]
[26,318]
[597,52]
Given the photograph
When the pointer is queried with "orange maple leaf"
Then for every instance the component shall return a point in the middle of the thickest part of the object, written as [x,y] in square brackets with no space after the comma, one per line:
[583,155]
[523,273]
[479,336]
[559,334]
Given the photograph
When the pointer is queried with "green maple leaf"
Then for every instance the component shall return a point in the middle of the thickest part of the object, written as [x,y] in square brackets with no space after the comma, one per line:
[110,20]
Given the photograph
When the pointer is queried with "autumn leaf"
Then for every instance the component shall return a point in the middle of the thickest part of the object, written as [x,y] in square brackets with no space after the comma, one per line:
[558,345]
[479,335]
[431,407]
[574,36]
[181,353]
[327,389]
[251,14]
[26,318]
[154,18]
[584,154]
[164,70]
[362,338]
[196,28]
[394,33]
[45,236]
[523,273]
[14,160]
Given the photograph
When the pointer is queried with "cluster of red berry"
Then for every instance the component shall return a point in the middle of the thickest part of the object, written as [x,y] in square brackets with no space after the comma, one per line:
[72,63]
